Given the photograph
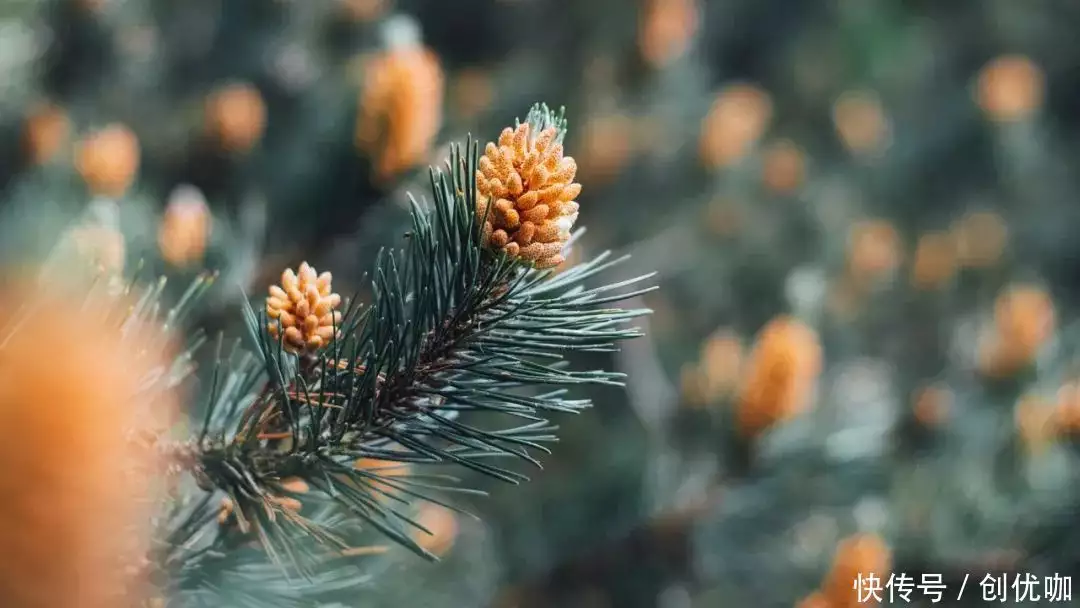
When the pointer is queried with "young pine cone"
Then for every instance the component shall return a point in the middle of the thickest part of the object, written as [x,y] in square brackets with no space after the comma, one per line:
[532,186]
[80,495]
[305,308]
[108,160]
[185,227]
[400,109]
[779,376]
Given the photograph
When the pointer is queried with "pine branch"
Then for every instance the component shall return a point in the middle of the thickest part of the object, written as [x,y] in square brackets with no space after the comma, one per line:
[459,359]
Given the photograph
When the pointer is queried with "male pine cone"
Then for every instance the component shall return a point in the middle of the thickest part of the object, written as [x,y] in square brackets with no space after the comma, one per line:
[81,481]
[525,193]
[304,307]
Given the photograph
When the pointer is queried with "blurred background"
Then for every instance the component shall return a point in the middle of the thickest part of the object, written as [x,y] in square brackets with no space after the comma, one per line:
[863,352]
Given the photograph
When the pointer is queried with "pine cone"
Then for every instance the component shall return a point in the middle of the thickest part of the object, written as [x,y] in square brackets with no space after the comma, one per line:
[305,308]
[236,117]
[665,30]
[400,109]
[780,375]
[79,493]
[185,227]
[1010,88]
[1023,324]
[108,160]
[737,118]
[532,186]
[874,250]
[935,261]
[45,133]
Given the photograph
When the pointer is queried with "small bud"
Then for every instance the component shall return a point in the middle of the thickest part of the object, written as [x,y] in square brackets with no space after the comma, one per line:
[47,128]
[735,122]
[665,30]
[780,375]
[784,167]
[935,261]
[931,406]
[874,251]
[290,306]
[1010,88]
[1024,320]
[185,227]
[236,117]
[861,122]
[108,160]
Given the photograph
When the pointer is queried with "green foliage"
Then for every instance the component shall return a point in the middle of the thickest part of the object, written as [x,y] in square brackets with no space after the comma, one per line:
[459,360]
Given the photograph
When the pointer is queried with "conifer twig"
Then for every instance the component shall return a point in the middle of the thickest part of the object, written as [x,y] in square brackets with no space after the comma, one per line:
[459,359]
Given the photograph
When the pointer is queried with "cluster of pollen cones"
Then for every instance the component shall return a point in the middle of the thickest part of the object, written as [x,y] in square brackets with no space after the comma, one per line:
[525,195]
[304,307]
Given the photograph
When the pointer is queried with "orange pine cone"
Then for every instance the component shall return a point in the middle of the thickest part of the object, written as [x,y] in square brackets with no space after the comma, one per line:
[236,117]
[735,122]
[47,128]
[185,227]
[305,308]
[108,160]
[525,195]
[665,30]
[1010,88]
[874,250]
[935,261]
[78,488]
[1024,321]
[780,375]
[861,122]
[400,109]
